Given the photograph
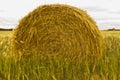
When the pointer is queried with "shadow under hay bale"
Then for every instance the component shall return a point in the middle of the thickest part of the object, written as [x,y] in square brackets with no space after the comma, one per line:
[57,29]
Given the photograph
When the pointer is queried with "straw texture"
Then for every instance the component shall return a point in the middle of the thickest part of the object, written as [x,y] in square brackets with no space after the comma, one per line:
[57,29]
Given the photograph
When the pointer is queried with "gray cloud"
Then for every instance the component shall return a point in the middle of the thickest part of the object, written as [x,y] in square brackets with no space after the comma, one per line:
[7,22]
[115,25]
[115,12]
[104,19]
[2,11]
[94,9]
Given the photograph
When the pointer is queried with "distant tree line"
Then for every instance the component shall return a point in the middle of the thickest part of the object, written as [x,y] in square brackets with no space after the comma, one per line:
[113,29]
[2,29]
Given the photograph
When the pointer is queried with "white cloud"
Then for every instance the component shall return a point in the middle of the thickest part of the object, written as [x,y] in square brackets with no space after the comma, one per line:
[98,9]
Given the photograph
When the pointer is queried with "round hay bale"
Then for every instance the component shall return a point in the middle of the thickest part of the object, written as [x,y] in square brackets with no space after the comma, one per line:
[57,29]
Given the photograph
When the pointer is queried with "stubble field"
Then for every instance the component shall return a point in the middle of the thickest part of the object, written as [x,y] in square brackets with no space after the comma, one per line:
[107,67]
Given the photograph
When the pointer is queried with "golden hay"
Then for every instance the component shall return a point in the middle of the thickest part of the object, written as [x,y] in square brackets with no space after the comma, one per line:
[57,29]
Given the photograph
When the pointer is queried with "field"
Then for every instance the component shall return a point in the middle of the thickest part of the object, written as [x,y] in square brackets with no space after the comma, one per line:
[107,67]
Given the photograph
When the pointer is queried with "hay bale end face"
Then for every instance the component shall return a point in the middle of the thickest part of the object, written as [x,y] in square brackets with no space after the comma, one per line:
[57,29]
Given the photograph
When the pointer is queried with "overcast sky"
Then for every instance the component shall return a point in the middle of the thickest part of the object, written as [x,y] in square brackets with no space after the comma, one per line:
[105,12]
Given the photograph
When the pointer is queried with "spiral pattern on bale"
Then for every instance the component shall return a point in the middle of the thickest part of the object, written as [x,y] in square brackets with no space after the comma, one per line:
[56,29]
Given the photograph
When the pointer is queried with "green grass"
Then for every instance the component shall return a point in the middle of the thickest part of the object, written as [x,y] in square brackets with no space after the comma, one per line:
[60,67]
[5,33]
[111,33]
